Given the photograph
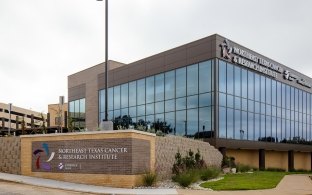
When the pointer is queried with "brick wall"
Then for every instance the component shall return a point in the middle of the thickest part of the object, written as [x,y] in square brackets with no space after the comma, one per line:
[167,147]
[10,155]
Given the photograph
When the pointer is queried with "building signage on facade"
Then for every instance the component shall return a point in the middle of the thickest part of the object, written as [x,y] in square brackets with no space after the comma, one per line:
[249,60]
[107,156]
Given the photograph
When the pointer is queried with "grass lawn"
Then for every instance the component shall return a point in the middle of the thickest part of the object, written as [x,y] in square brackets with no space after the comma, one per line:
[247,181]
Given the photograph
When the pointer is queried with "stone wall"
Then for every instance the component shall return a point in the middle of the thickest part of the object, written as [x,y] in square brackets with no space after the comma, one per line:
[167,147]
[10,155]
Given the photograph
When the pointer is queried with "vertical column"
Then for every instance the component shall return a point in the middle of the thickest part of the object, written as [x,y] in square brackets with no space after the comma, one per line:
[261,159]
[291,166]
[48,119]
[32,122]
[3,123]
[215,66]
[311,160]
[223,151]
[65,119]
[17,123]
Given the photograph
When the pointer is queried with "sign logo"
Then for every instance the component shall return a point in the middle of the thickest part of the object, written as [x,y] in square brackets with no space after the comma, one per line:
[245,58]
[43,152]
[226,49]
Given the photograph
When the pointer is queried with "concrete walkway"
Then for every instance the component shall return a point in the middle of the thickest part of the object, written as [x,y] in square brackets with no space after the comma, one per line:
[290,185]
[81,187]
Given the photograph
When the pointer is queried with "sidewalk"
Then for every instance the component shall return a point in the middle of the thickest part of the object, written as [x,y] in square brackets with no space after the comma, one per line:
[81,187]
[289,185]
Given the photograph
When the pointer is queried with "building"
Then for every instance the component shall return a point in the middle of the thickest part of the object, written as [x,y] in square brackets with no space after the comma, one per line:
[247,105]
[23,121]
[57,116]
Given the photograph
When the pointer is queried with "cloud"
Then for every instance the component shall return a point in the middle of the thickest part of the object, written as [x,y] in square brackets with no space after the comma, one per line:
[42,42]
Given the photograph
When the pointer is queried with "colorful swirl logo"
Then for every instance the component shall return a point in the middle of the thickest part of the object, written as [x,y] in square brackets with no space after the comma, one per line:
[43,151]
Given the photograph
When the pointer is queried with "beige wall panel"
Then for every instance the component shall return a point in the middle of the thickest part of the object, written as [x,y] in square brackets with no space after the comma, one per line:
[275,159]
[302,160]
[245,157]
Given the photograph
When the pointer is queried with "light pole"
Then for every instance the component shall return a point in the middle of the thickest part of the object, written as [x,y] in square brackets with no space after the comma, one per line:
[106,125]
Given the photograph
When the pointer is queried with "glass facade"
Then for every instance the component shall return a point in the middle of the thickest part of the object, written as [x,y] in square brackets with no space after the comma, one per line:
[178,102]
[77,113]
[249,105]
[258,108]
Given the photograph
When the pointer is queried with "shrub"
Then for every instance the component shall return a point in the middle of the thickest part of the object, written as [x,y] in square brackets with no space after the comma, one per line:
[149,179]
[209,173]
[186,178]
[190,161]
[243,168]
[228,161]
[275,169]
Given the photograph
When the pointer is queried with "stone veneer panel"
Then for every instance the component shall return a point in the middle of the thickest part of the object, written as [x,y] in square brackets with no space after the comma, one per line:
[167,147]
[10,155]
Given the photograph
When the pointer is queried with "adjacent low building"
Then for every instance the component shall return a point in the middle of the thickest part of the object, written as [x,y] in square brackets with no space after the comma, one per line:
[20,120]
[247,105]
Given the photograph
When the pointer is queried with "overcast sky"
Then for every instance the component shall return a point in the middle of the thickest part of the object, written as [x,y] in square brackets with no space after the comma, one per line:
[44,41]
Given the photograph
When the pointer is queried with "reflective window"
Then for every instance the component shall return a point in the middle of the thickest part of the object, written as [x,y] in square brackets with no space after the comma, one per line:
[279,94]
[132,111]
[124,95]
[230,101]
[77,109]
[205,121]
[132,93]
[169,105]
[268,90]
[192,101]
[237,103]
[243,131]
[141,110]
[230,79]
[250,126]
[141,91]
[205,77]
[149,109]
[150,89]
[222,76]
[170,121]
[181,103]
[237,80]
[205,99]
[117,97]
[170,84]
[237,122]
[274,93]
[244,83]
[222,122]
[181,123]
[192,79]
[262,91]
[180,82]
[257,87]
[159,87]
[159,107]
[230,123]
[110,99]
[192,122]
[222,99]
[251,85]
